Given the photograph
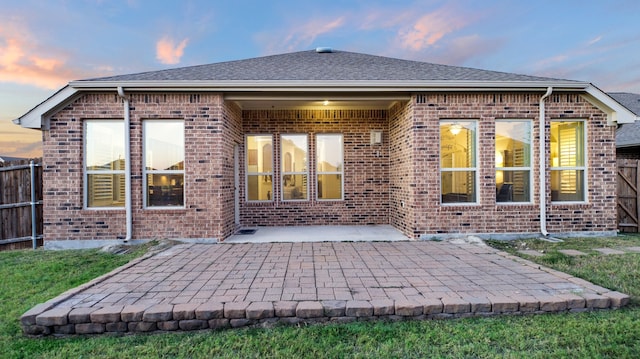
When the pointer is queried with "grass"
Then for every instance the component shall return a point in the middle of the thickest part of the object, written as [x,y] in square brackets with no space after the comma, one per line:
[31,277]
[617,272]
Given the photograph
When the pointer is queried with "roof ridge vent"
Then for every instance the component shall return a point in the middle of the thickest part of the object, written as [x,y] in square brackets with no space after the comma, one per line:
[324,50]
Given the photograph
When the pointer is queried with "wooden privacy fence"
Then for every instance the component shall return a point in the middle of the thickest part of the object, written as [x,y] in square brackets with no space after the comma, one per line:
[21,204]
[628,195]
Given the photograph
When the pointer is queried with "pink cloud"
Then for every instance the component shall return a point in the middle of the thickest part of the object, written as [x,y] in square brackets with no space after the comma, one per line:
[168,52]
[463,49]
[430,28]
[383,19]
[552,61]
[16,141]
[302,35]
[21,60]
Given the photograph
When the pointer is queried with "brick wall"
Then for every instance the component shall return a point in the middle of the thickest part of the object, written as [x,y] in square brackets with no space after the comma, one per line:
[366,168]
[207,158]
[403,170]
[397,182]
[231,137]
[598,214]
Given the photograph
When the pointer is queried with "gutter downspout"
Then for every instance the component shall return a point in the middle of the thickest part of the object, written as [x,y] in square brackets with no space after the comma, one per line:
[127,164]
[543,165]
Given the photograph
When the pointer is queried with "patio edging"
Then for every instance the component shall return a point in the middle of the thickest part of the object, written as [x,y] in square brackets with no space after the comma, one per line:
[187,317]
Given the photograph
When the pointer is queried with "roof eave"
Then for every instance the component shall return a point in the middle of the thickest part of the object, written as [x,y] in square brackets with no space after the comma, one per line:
[616,113]
[335,85]
[38,117]
[628,145]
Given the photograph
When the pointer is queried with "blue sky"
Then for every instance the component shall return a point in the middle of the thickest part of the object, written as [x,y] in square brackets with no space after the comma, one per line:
[45,44]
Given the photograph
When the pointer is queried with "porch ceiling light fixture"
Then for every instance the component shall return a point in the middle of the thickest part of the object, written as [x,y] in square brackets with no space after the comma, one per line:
[325,102]
[455,129]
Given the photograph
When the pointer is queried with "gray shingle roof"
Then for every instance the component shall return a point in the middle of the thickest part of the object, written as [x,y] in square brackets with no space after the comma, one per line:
[628,134]
[313,66]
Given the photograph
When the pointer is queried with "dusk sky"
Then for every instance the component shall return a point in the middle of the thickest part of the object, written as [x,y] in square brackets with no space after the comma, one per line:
[46,44]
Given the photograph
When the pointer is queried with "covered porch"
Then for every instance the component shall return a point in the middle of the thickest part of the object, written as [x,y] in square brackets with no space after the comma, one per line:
[322,160]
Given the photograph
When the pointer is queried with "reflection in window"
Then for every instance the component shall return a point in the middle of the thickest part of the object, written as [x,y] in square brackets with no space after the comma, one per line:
[458,161]
[293,149]
[567,161]
[104,163]
[164,163]
[259,152]
[513,161]
[329,166]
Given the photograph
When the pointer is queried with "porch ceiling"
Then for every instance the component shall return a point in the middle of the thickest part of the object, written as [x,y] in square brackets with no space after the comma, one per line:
[321,101]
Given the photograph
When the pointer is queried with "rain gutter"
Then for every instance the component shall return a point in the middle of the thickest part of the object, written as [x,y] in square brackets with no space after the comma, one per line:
[543,164]
[127,163]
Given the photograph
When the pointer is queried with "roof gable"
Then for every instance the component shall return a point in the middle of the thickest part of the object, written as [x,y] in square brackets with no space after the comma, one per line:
[323,66]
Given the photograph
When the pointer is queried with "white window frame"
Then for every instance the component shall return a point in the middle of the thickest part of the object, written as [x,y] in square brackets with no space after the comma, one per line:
[583,168]
[98,172]
[247,173]
[293,173]
[341,173]
[530,168]
[146,172]
[461,169]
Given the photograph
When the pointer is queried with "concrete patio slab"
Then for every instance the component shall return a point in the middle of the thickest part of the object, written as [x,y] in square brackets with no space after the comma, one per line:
[306,234]
[214,286]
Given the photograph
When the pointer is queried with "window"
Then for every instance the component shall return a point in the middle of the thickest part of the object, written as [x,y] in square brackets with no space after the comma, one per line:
[458,161]
[259,152]
[164,163]
[293,152]
[567,161]
[104,163]
[513,161]
[329,167]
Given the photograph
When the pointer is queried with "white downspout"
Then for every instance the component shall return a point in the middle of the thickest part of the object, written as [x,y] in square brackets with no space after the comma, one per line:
[543,165]
[127,164]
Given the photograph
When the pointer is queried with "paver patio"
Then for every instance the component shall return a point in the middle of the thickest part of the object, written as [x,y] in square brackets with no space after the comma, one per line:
[200,286]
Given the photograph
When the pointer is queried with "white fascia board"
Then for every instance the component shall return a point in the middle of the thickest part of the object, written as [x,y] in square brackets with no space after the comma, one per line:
[369,86]
[36,117]
[616,113]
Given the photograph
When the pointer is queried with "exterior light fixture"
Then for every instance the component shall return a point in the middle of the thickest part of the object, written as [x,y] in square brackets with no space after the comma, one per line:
[455,128]
[326,102]
[376,137]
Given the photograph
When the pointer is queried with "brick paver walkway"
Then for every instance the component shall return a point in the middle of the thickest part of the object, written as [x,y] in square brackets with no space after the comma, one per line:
[199,286]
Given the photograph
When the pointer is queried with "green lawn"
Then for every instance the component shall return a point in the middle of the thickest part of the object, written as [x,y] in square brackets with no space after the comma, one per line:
[31,277]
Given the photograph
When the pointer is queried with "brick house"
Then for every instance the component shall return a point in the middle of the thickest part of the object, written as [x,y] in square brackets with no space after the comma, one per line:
[628,135]
[326,137]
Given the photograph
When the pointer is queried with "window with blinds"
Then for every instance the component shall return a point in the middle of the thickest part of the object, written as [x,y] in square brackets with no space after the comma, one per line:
[567,161]
[104,158]
[513,161]
[458,165]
